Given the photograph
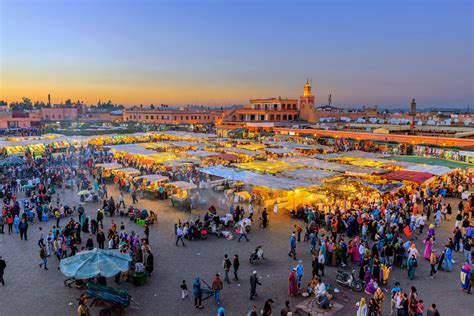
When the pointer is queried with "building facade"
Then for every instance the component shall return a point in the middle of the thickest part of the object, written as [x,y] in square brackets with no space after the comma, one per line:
[171,116]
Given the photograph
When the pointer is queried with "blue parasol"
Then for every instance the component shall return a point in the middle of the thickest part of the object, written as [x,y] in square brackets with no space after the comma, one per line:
[91,263]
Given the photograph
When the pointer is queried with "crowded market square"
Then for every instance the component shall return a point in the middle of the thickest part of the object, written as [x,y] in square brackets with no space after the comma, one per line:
[174,204]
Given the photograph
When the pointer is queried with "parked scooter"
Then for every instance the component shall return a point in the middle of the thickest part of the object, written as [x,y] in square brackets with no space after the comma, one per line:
[256,255]
[349,280]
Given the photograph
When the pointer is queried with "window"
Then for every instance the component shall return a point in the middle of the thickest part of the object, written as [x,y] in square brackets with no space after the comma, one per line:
[284,117]
[146,117]
[46,117]
[272,117]
[294,106]
[278,117]
[52,116]
[290,117]
[241,117]
[275,106]
[181,117]
[187,117]
[252,117]
[175,118]
[262,117]
[283,106]
[152,117]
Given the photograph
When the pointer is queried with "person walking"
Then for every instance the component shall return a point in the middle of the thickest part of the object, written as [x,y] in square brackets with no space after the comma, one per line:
[267,308]
[83,309]
[236,265]
[243,231]
[412,264]
[179,235]
[184,290]
[44,257]
[41,237]
[134,197]
[121,200]
[299,273]
[292,252]
[253,285]
[217,287]
[2,224]
[285,310]
[3,265]
[197,293]
[467,250]
[433,259]
[432,311]
[23,228]
[100,238]
[10,223]
[227,265]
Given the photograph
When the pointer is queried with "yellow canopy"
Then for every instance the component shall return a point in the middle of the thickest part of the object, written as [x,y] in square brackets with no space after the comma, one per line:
[268,166]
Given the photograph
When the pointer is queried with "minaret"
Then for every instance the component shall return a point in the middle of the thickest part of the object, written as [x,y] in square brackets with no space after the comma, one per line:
[412,113]
[307,103]
[49,99]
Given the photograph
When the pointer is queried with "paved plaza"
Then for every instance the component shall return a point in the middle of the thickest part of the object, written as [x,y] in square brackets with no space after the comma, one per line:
[31,290]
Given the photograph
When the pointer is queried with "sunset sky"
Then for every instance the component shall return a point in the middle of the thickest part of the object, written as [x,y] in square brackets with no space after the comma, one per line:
[220,52]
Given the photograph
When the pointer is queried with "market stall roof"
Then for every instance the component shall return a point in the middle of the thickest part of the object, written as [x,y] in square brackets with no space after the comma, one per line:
[128,171]
[247,152]
[268,166]
[253,146]
[228,157]
[331,166]
[181,162]
[431,161]
[111,165]
[405,175]
[187,134]
[280,151]
[157,145]
[256,179]
[185,143]
[152,178]
[183,185]
[352,153]
[366,162]
[201,153]
[162,157]
[12,161]
[132,149]
[436,170]
[310,174]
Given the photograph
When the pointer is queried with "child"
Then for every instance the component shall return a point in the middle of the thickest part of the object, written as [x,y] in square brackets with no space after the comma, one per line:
[184,290]
[420,308]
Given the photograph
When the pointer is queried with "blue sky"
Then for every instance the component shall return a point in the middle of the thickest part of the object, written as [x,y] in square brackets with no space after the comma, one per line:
[226,52]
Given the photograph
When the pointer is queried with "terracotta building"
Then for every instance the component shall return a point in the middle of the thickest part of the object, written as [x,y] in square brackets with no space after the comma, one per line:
[266,110]
[171,116]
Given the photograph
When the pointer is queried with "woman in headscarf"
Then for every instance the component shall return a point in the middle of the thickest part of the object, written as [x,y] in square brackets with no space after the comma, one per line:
[197,293]
[412,264]
[428,248]
[292,285]
[448,259]
[361,307]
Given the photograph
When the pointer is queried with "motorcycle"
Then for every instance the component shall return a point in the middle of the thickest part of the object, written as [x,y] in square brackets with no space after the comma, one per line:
[349,280]
[256,255]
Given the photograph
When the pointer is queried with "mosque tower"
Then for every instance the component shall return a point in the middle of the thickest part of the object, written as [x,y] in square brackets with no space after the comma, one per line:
[307,110]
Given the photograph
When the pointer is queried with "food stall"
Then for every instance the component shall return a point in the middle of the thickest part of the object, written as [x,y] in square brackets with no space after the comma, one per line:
[106,170]
[126,174]
[180,193]
[150,185]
